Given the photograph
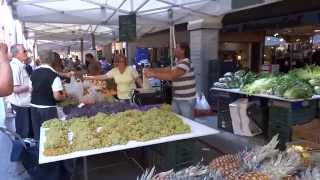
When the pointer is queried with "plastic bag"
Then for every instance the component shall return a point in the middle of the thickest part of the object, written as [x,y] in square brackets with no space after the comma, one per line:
[91,97]
[61,115]
[74,88]
[202,103]
[202,107]
[241,123]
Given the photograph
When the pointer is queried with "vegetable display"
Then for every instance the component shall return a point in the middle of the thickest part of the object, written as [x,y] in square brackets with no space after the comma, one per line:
[105,130]
[230,80]
[300,83]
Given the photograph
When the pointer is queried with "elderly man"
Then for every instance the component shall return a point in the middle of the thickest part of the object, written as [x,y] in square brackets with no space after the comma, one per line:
[47,89]
[21,96]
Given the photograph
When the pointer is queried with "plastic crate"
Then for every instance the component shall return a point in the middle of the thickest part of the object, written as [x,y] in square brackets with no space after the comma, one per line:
[225,121]
[283,115]
[223,99]
[174,155]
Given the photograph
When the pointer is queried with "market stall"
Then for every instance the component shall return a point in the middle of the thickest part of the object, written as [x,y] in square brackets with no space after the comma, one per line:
[102,133]
[274,102]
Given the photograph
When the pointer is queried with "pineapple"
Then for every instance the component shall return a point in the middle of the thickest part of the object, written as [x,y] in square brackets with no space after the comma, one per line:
[252,176]
[252,159]
[282,165]
[198,172]
[310,174]
[246,176]
[225,160]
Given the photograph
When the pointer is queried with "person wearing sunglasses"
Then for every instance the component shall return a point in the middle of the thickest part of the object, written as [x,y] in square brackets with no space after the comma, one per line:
[124,76]
[21,97]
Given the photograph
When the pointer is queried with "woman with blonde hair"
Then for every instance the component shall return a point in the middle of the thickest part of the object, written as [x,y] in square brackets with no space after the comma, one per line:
[124,76]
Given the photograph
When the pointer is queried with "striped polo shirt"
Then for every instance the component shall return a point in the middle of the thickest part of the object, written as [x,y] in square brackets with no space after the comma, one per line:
[184,88]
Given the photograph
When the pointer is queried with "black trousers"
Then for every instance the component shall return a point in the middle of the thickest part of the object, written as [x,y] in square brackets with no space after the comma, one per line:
[40,115]
[23,121]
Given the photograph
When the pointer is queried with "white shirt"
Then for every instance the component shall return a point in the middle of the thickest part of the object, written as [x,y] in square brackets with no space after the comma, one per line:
[20,78]
[56,85]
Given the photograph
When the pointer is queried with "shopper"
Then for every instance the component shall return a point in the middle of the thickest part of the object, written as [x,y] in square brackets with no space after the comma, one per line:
[124,76]
[59,68]
[20,98]
[183,81]
[93,66]
[6,82]
[47,89]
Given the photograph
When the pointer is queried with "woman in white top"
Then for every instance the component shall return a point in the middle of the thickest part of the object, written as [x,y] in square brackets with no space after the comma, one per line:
[124,76]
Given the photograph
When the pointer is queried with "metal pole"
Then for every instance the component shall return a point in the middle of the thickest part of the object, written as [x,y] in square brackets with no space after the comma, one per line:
[85,168]
[170,16]
[81,50]
[34,50]
[93,41]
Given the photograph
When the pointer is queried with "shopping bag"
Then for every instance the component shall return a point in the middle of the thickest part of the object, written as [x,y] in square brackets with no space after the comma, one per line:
[74,88]
[241,123]
[26,151]
[202,107]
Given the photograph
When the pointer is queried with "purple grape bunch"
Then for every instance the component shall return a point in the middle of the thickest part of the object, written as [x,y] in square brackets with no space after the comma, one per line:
[103,107]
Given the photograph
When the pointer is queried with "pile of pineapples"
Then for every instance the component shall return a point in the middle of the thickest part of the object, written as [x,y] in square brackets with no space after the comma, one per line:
[260,163]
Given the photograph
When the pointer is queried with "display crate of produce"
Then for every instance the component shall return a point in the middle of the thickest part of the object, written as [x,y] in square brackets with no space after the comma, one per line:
[223,99]
[175,155]
[308,132]
[283,115]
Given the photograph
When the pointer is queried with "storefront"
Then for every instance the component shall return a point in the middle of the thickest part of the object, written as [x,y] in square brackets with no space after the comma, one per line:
[288,32]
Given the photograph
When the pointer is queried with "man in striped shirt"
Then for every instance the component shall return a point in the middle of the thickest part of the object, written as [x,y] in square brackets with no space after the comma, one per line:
[183,81]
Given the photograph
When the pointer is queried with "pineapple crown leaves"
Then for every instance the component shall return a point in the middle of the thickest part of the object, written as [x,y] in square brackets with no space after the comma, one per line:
[310,174]
[252,159]
[197,172]
[147,175]
[283,164]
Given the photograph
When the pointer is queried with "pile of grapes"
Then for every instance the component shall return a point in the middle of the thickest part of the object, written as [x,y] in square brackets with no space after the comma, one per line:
[104,130]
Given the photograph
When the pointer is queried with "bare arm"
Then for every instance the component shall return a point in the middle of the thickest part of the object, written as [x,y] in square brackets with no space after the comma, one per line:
[59,95]
[162,70]
[6,81]
[20,89]
[165,74]
[139,82]
[98,77]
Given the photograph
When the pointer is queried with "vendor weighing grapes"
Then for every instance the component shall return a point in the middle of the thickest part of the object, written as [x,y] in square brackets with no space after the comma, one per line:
[124,76]
[183,81]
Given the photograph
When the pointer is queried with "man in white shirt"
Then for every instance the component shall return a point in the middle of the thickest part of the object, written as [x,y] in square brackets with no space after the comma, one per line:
[21,96]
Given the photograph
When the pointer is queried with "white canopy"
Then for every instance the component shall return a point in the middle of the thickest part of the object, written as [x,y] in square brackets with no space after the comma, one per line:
[70,20]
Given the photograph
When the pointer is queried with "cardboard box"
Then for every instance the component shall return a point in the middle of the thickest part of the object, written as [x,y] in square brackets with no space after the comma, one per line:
[309,131]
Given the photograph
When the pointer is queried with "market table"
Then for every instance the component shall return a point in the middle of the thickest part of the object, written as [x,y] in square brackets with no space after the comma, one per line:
[273,97]
[197,130]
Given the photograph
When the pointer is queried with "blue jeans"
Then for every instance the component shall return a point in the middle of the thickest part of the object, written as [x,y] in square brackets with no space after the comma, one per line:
[184,107]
